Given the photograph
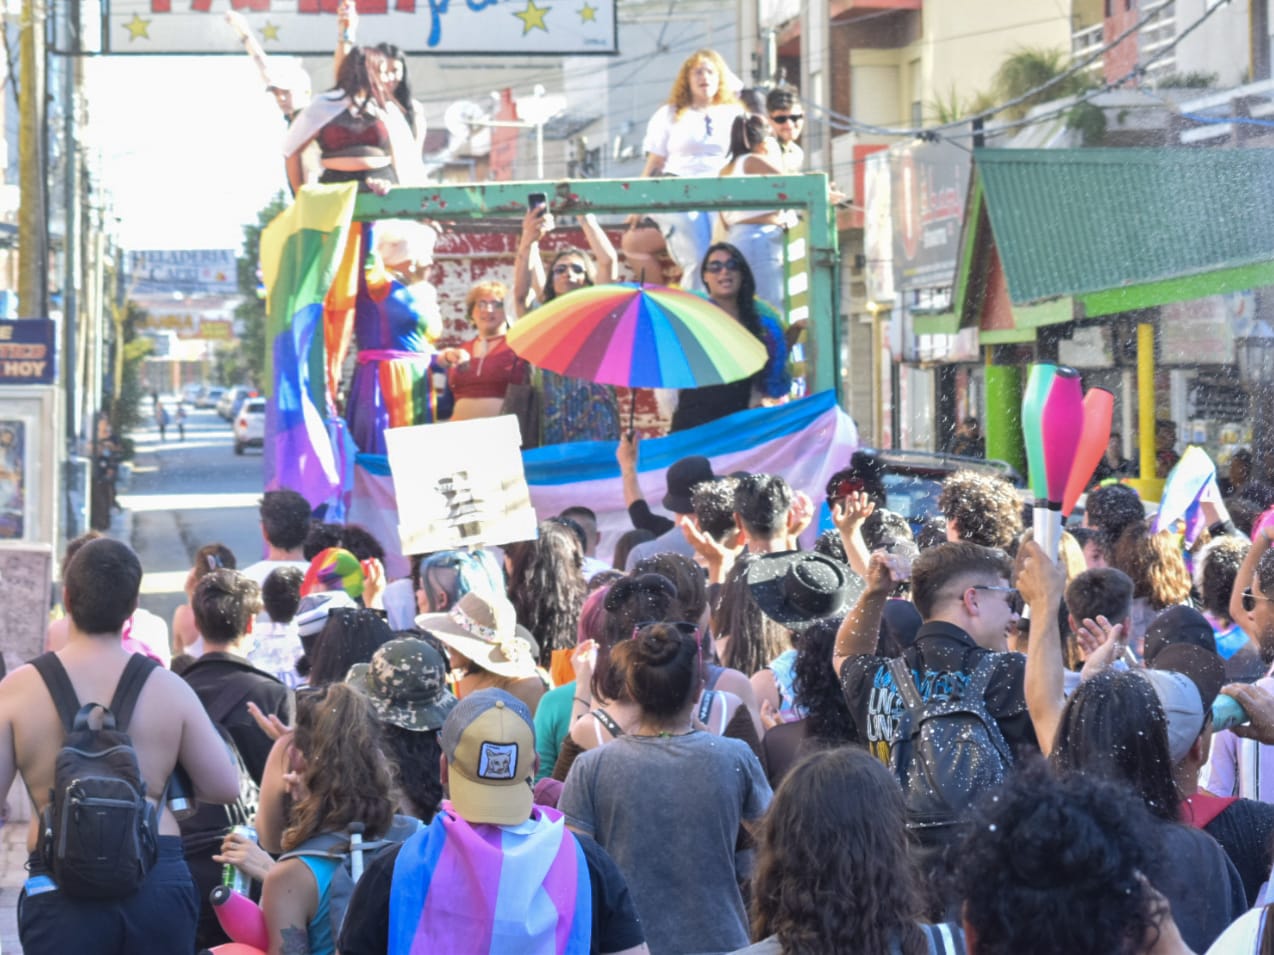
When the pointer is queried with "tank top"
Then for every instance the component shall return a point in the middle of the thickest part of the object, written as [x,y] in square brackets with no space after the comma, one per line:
[319,928]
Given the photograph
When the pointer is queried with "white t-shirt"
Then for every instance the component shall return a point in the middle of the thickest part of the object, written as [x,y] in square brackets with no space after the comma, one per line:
[261,569]
[696,143]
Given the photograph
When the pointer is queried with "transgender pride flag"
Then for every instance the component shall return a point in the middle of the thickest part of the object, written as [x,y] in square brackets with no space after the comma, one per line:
[488,890]
[804,441]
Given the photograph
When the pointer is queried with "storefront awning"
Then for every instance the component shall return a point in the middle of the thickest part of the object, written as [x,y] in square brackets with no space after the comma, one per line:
[1091,232]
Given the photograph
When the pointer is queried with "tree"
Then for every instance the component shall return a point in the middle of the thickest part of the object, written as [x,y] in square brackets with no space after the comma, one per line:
[245,359]
[1030,68]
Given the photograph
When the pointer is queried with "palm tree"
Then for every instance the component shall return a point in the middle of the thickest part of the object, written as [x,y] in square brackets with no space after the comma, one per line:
[1029,68]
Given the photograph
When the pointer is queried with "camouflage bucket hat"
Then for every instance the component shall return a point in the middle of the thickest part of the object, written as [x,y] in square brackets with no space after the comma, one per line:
[407,684]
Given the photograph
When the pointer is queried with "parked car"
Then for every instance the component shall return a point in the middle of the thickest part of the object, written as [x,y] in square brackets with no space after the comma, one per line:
[226,404]
[210,397]
[192,393]
[249,425]
[910,482]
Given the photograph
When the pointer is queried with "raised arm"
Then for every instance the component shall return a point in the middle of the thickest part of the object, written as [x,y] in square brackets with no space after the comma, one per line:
[1042,583]
[250,44]
[528,269]
[860,630]
[347,25]
[849,514]
[603,251]
[1243,580]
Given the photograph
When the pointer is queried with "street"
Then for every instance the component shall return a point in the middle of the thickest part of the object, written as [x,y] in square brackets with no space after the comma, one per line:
[185,494]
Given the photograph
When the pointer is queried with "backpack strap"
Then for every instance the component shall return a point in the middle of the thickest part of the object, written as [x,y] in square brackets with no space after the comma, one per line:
[59,685]
[980,679]
[130,684]
[324,845]
[608,721]
[226,702]
[705,705]
[907,689]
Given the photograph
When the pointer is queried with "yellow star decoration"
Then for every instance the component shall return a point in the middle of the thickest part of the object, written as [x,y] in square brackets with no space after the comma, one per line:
[533,17]
[137,28]
[270,31]
[587,14]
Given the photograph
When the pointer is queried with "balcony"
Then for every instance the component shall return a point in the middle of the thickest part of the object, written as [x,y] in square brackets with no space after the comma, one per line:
[1159,33]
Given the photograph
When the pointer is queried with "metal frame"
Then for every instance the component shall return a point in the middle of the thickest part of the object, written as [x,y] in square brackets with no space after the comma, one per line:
[816,298]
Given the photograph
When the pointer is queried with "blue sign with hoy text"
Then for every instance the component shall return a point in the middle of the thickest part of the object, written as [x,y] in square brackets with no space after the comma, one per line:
[26,351]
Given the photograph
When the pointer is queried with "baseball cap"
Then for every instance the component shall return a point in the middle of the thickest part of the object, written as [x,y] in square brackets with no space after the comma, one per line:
[682,478]
[1176,625]
[1187,679]
[406,682]
[488,739]
[311,613]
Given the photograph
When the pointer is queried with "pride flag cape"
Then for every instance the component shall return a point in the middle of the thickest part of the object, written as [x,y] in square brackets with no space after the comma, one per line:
[309,259]
[482,889]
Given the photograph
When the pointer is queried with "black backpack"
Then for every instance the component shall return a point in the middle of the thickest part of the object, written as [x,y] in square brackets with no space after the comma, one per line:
[99,835]
[205,829]
[947,753]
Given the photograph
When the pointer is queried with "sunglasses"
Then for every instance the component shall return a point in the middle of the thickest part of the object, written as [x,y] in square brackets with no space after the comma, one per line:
[573,268]
[488,306]
[1250,599]
[729,265]
[784,118]
[1011,595]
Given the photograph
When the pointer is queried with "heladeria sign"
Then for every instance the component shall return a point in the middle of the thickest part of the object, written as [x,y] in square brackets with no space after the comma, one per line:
[26,351]
[518,27]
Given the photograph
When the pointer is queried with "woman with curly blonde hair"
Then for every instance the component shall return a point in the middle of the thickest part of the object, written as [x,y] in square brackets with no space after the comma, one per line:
[1158,571]
[688,136]
[832,871]
[337,775]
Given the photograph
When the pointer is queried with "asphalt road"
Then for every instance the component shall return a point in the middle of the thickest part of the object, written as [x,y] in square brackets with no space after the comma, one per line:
[184,494]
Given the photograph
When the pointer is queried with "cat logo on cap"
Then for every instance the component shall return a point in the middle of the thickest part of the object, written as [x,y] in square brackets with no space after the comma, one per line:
[497,760]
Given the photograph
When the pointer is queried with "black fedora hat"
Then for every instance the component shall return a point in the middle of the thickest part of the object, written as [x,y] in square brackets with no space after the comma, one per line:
[797,588]
[682,478]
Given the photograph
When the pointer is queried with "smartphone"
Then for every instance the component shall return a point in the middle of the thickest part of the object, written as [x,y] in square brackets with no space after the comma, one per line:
[537,200]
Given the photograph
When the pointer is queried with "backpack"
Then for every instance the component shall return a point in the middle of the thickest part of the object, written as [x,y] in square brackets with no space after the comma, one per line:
[948,752]
[205,829]
[353,858]
[99,835]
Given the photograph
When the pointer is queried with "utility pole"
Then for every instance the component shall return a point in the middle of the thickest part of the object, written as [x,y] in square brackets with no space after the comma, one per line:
[33,285]
[71,240]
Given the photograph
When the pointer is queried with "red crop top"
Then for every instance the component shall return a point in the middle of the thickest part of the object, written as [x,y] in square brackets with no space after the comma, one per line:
[350,135]
[490,375]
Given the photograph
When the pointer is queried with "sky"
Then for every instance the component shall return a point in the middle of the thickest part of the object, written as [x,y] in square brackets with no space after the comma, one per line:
[190,147]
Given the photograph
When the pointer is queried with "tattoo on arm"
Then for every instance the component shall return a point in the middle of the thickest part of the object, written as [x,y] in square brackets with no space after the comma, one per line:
[296,941]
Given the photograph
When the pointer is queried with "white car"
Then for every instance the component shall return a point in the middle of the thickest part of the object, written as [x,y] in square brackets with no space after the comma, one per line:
[249,425]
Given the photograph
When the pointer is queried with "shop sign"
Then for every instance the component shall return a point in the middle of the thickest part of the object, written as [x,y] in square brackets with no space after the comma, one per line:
[188,271]
[1202,331]
[26,351]
[929,183]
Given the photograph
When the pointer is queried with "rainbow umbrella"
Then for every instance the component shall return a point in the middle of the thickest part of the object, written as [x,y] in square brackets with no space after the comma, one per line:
[640,336]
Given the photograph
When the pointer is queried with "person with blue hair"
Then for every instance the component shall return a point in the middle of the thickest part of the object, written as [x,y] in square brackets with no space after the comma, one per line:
[438,580]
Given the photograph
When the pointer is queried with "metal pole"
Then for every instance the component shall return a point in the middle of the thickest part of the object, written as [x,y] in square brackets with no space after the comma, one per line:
[71,240]
[32,235]
[539,150]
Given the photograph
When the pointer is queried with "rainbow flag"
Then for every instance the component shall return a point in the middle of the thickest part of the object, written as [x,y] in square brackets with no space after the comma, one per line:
[488,890]
[309,259]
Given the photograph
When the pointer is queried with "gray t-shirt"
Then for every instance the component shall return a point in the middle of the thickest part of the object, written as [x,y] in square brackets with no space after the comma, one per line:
[668,810]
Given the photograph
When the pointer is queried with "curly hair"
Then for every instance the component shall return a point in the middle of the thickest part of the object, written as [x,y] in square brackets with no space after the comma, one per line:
[1215,569]
[681,98]
[829,544]
[496,289]
[319,538]
[285,518]
[832,870]
[1154,563]
[547,586]
[413,757]
[346,776]
[1114,727]
[1053,865]
[985,508]
[1110,509]
[818,688]
[753,640]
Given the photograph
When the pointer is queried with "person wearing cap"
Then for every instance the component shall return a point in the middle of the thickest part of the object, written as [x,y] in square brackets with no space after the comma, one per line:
[493,872]
[407,684]
[488,648]
[963,594]
[681,478]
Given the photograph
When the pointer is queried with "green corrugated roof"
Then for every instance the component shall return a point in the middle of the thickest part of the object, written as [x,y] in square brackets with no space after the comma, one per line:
[1077,221]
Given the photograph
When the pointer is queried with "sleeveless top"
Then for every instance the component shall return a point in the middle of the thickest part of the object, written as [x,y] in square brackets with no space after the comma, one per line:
[735,216]
[319,928]
[349,135]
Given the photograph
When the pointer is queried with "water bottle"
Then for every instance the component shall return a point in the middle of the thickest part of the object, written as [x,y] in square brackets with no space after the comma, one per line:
[232,877]
[181,794]
[1227,712]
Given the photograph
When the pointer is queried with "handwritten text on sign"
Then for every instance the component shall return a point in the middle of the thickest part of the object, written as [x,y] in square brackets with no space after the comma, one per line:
[567,27]
[26,351]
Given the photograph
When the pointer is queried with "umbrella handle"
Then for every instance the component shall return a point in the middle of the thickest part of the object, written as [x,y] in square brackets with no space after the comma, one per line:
[632,415]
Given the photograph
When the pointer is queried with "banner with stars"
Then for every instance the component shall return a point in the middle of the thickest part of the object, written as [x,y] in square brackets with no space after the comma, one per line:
[558,27]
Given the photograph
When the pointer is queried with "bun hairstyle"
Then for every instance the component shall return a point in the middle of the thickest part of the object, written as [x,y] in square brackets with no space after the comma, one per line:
[747,133]
[635,599]
[660,669]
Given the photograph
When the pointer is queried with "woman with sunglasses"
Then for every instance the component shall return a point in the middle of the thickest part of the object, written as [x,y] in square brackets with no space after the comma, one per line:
[571,409]
[711,787]
[732,286]
[485,365]
[758,235]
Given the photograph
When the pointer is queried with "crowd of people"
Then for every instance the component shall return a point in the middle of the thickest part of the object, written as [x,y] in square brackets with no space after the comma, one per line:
[910,740]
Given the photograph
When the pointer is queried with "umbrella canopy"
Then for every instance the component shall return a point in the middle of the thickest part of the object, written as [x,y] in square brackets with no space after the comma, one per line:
[641,336]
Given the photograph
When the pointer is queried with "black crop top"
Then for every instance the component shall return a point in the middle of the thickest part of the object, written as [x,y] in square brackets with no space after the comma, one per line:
[350,135]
